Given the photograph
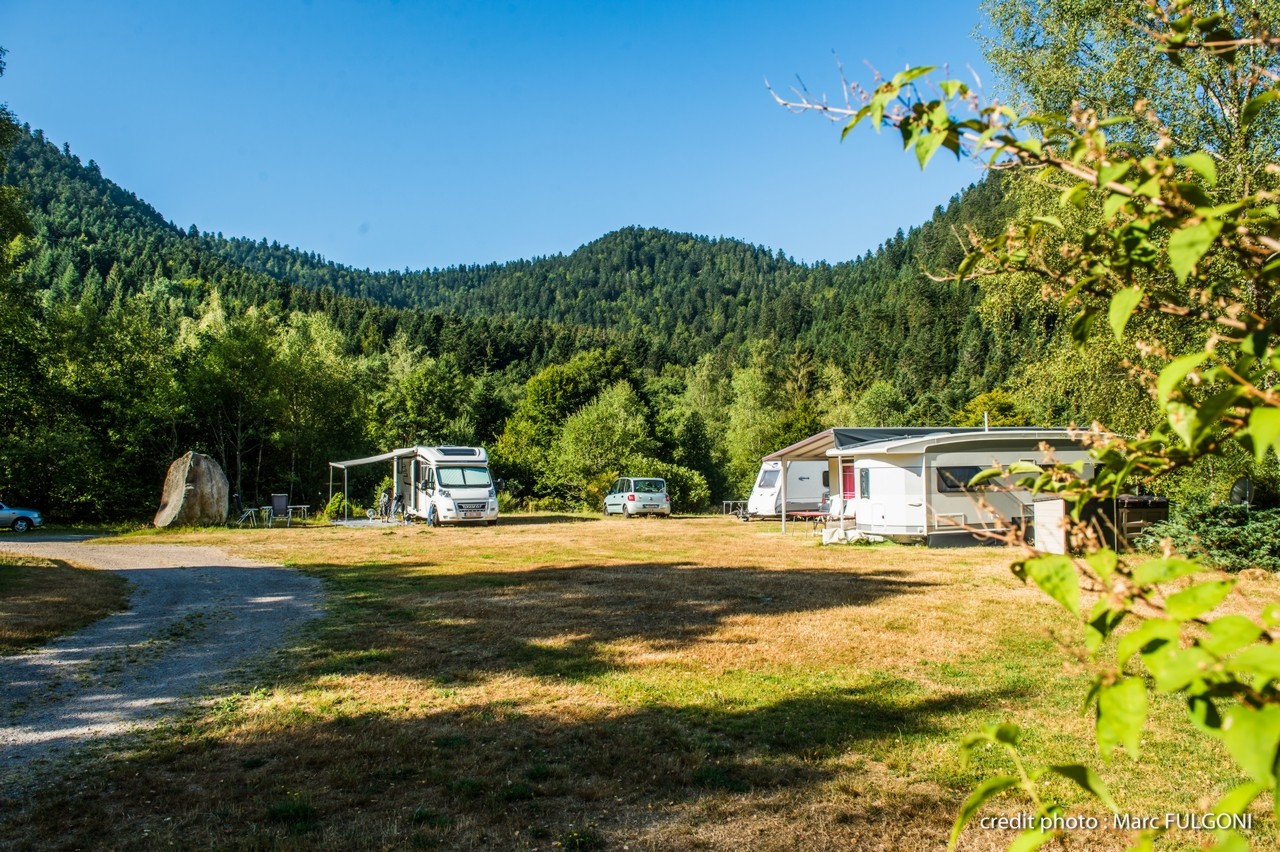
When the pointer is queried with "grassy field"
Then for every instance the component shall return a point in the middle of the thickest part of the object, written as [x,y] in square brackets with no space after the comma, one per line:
[577,683]
[43,598]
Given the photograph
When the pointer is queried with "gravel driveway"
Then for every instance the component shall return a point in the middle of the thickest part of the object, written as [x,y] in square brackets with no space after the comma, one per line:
[195,615]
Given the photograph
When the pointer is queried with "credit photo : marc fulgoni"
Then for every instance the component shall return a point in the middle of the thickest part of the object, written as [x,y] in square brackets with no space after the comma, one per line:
[1119,822]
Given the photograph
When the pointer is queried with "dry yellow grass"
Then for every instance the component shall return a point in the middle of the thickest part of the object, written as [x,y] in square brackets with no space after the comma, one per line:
[561,682]
[43,598]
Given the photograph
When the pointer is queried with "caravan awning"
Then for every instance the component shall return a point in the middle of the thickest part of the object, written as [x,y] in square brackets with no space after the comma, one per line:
[911,444]
[818,447]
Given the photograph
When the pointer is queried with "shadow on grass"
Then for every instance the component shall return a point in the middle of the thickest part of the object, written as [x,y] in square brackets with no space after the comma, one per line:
[474,776]
[517,519]
[559,622]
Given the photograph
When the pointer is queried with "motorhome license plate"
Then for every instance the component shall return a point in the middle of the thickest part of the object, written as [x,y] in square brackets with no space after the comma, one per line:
[472,514]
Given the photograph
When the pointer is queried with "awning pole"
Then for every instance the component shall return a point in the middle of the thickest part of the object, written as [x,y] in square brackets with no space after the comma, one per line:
[786,468]
[346,497]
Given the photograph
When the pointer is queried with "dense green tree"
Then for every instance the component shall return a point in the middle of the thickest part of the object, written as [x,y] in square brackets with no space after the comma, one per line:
[1052,55]
[600,442]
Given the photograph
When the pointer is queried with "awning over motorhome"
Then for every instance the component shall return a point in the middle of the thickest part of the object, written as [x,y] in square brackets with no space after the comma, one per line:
[394,454]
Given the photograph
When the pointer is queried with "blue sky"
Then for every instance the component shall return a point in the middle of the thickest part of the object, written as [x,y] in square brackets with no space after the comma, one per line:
[429,134]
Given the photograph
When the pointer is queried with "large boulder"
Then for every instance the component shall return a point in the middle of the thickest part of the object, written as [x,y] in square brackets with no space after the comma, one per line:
[195,493]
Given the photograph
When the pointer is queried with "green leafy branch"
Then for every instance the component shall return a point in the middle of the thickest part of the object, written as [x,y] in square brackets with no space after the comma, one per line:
[1165,239]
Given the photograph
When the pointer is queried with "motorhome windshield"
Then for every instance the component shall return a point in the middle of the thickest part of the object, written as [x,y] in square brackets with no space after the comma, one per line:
[464,477]
[768,479]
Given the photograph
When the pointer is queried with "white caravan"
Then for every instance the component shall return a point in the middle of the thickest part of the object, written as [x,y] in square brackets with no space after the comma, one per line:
[438,484]
[807,489]
[916,487]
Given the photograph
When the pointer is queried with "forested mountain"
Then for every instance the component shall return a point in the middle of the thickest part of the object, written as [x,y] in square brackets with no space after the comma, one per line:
[154,339]
[688,295]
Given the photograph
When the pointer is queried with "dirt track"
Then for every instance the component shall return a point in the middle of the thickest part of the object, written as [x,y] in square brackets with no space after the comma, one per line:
[195,615]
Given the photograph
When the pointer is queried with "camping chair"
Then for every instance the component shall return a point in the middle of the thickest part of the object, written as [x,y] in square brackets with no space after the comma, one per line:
[279,507]
[245,514]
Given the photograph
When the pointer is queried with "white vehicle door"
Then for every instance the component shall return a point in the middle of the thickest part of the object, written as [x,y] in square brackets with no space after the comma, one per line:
[613,500]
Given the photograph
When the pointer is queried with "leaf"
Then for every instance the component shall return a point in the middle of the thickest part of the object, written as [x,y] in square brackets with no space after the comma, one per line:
[985,476]
[985,791]
[1237,799]
[904,77]
[1264,428]
[1051,220]
[1202,164]
[1188,245]
[1177,370]
[1103,562]
[1056,576]
[1252,736]
[1088,781]
[1030,840]
[1229,634]
[1102,621]
[1114,203]
[1254,106]
[927,146]
[1260,660]
[1204,714]
[1230,841]
[1122,711]
[1155,571]
[1176,669]
[1113,172]
[1076,195]
[1198,599]
[1123,304]
[1005,732]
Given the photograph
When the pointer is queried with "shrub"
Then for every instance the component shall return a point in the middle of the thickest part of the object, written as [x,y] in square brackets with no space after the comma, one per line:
[687,488]
[333,509]
[1228,537]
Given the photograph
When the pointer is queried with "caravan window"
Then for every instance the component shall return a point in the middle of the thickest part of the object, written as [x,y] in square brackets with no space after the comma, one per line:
[768,478]
[465,477]
[955,479]
[864,483]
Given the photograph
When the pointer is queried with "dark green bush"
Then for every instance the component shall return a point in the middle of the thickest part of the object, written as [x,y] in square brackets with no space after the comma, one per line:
[1228,537]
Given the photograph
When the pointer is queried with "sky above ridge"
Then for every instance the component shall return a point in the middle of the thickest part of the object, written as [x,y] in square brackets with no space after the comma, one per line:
[415,135]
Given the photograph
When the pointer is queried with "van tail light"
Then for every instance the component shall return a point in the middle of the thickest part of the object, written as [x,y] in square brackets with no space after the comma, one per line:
[666,498]
[631,498]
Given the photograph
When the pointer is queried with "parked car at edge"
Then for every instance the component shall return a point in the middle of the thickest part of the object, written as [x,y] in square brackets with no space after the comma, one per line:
[19,520]
[641,495]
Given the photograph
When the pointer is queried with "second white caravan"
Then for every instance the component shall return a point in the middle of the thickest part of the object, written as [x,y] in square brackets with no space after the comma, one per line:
[808,488]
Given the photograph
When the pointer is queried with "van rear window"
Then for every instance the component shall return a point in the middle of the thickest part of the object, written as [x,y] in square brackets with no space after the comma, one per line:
[650,486]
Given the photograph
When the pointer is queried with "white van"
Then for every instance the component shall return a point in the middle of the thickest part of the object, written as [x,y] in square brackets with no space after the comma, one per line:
[446,484]
[808,486]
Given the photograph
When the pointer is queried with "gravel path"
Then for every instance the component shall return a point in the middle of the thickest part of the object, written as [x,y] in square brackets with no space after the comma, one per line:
[196,614]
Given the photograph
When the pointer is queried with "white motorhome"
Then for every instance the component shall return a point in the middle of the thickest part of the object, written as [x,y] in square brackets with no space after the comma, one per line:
[807,487]
[437,484]
[916,487]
